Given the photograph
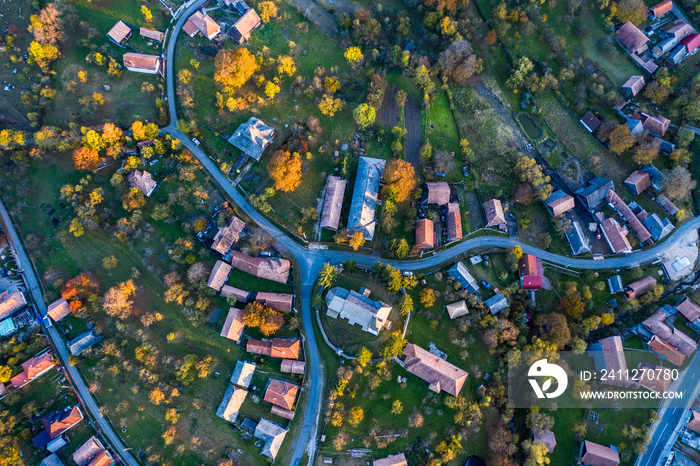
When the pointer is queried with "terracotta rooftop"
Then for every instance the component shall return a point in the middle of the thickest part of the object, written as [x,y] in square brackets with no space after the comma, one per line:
[634,85]
[594,454]
[119,32]
[10,302]
[281,302]
[615,236]
[631,38]
[285,348]
[494,213]
[241,295]
[227,235]
[233,327]
[271,269]
[292,366]
[282,412]
[396,460]
[694,422]
[141,61]
[142,181]
[57,422]
[246,24]
[425,234]
[218,275]
[666,351]
[454,222]
[661,8]
[58,309]
[641,286]
[438,193]
[638,182]
[33,368]
[650,381]
[560,202]
[88,451]
[440,374]
[280,393]
[623,209]
[151,34]
[688,309]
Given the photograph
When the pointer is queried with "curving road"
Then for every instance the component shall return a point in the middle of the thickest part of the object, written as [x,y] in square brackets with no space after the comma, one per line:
[60,348]
[310,261]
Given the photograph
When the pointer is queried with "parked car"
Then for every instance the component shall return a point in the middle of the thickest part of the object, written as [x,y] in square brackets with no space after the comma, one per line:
[47,321]
[197,143]
[464,171]
[407,274]
[485,284]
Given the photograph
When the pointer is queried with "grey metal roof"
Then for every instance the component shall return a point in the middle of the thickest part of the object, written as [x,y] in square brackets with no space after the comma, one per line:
[657,178]
[52,460]
[595,192]
[578,240]
[84,341]
[497,303]
[461,274]
[364,196]
[252,137]
[615,284]
[677,55]
[658,227]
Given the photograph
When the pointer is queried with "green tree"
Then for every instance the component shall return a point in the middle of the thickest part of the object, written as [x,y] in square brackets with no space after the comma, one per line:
[364,115]
[399,248]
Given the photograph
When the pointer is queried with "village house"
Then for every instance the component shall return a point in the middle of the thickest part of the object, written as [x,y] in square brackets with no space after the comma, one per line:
[530,272]
[233,326]
[666,340]
[660,9]
[84,341]
[594,454]
[649,380]
[395,460]
[615,284]
[608,354]
[659,228]
[231,403]
[440,375]
[119,33]
[244,26]
[281,302]
[593,194]
[559,203]
[663,47]
[496,303]
[460,273]
[638,182]
[425,234]
[590,122]
[656,126]
[252,138]
[633,86]
[284,348]
[679,29]
[273,436]
[666,351]
[11,300]
[617,204]
[494,214]
[142,181]
[675,56]
[228,291]
[90,453]
[51,460]
[457,309]
[635,126]
[33,368]
[333,202]
[151,34]
[364,196]
[243,374]
[615,236]
[218,275]
[632,39]
[142,63]
[280,393]
[640,287]
[271,269]
[291,366]
[228,235]
[200,22]
[691,43]
[578,241]
[58,309]
[666,204]
[454,222]
[58,422]
[547,437]
[358,308]
[438,193]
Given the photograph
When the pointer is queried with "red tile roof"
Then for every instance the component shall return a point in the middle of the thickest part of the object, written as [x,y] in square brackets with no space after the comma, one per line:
[218,275]
[396,460]
[694,422]
[666,350]
[292,366]
[615,236]
[282,394]
[440,374]
[233,327]
[639,229]
[227,235]
[454,222]
[425,234]
[595,454]
[32,369]
[631,38]
[562,204]
[281,302]
[241,295]
[661,8]
[58,309]
[285,348]
[245,25]
[141,61]
[276,270]
[10,302]
[119,32]
[638,180]
[691,42]
[638,288]
[60,421]
[151,34]
[688,309]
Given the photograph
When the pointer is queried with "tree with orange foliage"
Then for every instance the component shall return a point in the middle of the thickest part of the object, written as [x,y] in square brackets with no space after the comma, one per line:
[233,68]
[266,319]
[117,302]
[285,170]
[401,180]
[85,158]
[112,134]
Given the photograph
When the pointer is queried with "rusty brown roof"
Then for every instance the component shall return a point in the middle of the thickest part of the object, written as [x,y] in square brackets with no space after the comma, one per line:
[58,309]
[395,460]
[454,222]
[246,24]
[227,235]
[119,32]
[219,275]
[281,302]
[142,61]
[425,234]
[142,181]
[440,374]
[233,326]
[688,309]
[638,182]
[631,38]
[292,366]
[280,393]
[438,193]
[595,454]
[494,213]
[151,34]
[241,295]
[639,229]
[271,269]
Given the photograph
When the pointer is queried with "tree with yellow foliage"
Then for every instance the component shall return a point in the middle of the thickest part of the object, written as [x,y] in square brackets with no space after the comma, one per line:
[233,68]
[112,134]
[354,56]
[271,89]
[82,75]
[147,15]
[267,10]
[285,170]
[401,180]
[356,240]
[330,106]
[43,54]
[285,64]
[93,140]
[141,132]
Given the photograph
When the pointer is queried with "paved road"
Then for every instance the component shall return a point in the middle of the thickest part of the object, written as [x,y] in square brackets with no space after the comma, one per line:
[667,427]
[59,346]
[310,261]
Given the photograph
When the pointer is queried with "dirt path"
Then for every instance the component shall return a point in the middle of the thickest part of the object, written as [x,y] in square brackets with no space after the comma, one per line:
[414,131]
[389,114]
[320,17]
